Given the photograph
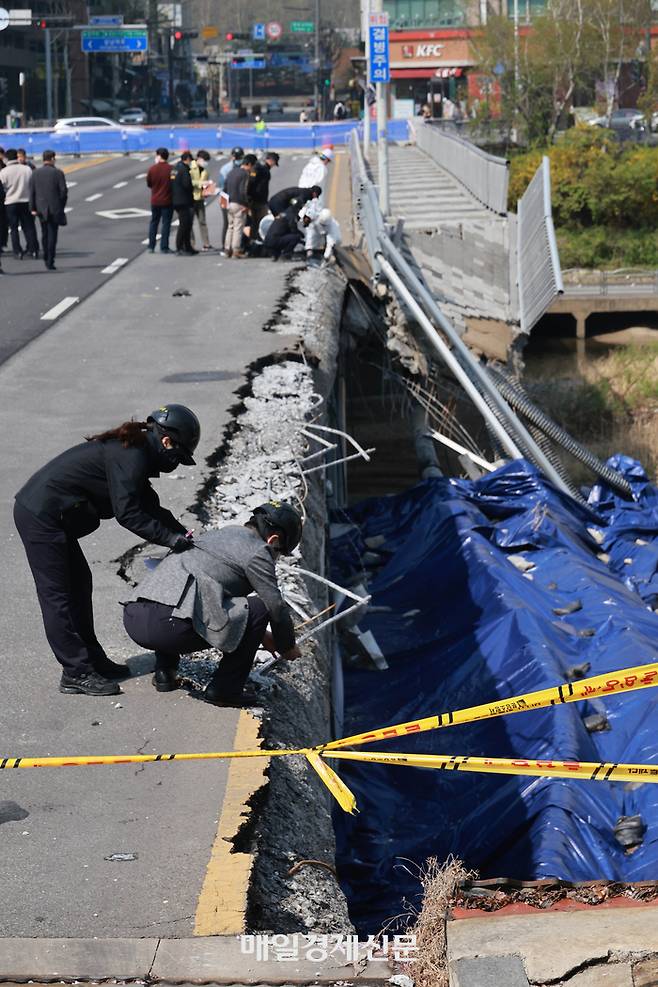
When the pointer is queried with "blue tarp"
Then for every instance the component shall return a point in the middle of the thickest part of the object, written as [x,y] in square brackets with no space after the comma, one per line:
[466,626]
[210,136]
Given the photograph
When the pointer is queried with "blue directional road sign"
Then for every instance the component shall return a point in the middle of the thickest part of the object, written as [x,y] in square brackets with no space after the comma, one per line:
[106,20]
[258,32]
[112,40]
[379,55]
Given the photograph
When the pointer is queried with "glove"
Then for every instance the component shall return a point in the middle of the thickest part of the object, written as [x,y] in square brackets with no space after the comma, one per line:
[182,544]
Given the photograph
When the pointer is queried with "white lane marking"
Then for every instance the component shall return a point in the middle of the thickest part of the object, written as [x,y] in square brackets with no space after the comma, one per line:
[92,198]
[115,265]
[142,175]
[120,185]
[71,184]
[57,310]
[68,209]
[130,212]
[141,157]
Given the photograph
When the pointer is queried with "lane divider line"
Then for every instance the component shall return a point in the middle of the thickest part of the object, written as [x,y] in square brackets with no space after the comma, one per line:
[142,175]
[92,198]
[120,185]
[57,310]
[115,265]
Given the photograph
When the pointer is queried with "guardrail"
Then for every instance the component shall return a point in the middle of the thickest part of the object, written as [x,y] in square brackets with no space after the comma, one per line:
[213,137]
[388,262]
[538,261]
[484,175]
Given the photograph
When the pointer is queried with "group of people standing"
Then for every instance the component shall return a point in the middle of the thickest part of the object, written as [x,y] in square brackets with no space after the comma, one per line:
[251,219]
[182,189]
[28,193]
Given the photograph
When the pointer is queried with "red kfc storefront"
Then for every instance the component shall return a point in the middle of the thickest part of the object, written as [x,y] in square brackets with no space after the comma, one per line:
[430,67]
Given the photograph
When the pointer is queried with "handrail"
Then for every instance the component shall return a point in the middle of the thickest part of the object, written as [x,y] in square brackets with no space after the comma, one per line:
[485,175]
[474,378]
[539,273]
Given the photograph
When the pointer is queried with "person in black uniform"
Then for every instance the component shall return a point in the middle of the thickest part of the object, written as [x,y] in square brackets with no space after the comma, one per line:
[106,476]
[182,198]
[295,196]
[283,235]
[205,600]
[258,186]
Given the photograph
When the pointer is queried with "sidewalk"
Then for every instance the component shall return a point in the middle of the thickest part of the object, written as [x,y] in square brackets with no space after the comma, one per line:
[126,350]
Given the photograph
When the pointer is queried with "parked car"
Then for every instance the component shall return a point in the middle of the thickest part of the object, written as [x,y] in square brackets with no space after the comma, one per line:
[133,114]
[90,123]
[274,106]
[621,120]
[198,110]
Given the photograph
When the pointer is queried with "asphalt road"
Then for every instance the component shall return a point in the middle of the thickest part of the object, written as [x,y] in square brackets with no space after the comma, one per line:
[108,222]
[127,347]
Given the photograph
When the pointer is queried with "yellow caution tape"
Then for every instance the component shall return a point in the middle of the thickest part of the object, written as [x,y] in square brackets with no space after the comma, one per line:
[610,683]
[586,770]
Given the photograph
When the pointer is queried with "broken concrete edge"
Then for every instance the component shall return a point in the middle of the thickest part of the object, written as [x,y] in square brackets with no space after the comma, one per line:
[555,947]
[213,960]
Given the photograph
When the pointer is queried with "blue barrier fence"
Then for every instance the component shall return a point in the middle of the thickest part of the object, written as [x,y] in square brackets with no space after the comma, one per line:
[178,138]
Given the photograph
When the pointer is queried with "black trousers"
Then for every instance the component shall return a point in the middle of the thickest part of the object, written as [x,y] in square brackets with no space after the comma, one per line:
[184,231]
[64,587]
[49,231]
[151,626]
[224,225]
[165,214]
[18,214]
[4,228]
[284,244]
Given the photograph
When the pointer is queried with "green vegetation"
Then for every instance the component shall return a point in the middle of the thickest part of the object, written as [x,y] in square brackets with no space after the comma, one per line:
[605,198]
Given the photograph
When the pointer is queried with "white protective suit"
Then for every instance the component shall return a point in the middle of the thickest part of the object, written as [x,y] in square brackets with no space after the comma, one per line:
[314,173]
[324,231]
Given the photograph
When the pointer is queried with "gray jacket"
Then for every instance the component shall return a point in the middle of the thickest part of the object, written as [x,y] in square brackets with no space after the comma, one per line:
[208,585]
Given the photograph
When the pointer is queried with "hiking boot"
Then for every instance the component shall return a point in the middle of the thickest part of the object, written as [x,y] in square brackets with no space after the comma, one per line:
[88,684]
[109,669]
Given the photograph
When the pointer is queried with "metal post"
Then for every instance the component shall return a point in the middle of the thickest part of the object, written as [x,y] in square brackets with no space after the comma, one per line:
[316,59]
[170,66]
[49,76]
[366,105]
[516,65]
[382,139]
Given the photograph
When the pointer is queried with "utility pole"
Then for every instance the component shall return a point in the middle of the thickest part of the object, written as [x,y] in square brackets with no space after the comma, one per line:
[516,66]
[170,67]
[366,91]
[316,59]
[381,89]
[49,75]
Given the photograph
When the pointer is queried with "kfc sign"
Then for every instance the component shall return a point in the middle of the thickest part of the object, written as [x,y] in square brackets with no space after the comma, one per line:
[422,51]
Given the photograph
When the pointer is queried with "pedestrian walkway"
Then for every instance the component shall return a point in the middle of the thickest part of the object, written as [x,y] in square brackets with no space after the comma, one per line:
[425,195]
[117,852]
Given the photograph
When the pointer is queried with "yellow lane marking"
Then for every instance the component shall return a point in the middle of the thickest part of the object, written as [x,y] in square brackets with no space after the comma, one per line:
[223,899]
[79,165]
[333,191]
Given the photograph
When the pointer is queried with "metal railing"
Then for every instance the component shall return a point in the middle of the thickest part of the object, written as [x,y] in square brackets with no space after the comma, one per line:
[484,175]
[538,261]
[388,262]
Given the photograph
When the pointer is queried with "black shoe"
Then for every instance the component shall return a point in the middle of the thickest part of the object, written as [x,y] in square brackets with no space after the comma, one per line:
[51,267]
[248,697]
[275,258]
[165,680]
[88,684]
[34,254]
[109,669]
[165,250]
[19,255]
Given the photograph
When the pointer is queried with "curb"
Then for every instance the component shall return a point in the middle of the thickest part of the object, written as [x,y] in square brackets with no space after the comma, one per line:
[213,959]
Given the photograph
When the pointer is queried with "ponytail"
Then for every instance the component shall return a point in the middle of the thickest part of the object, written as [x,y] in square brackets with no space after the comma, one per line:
[131,434]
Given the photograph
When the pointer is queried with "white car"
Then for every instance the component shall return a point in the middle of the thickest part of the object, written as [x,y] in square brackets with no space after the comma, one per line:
[133,114]
[89,123]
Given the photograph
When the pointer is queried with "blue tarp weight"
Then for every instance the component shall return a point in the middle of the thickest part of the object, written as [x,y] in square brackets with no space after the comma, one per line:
[213,137]
[466,626]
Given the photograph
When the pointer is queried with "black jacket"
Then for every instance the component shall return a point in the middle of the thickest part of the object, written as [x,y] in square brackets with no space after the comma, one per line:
[283,226]
[288,197]
[236,183]
[48,193]
[182,192]
[97,480]
[258,184]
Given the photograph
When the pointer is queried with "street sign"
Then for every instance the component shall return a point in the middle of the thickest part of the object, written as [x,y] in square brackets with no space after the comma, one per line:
[248,63]
[302,27]
[4,18]
[211,31]
[379,60]
[20,17]
[258,32]
[106,20]
[111,40]
[274,30]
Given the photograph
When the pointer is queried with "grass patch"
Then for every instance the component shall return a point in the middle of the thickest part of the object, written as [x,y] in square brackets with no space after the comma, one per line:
[440,883]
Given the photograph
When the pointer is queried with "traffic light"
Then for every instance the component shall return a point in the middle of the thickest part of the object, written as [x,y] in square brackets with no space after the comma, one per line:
[41,23]
[182,35]
[327,82]
[237,36]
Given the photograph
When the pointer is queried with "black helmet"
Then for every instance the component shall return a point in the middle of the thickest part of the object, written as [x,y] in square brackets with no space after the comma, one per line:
[237,153]
[278,517]
[182,425]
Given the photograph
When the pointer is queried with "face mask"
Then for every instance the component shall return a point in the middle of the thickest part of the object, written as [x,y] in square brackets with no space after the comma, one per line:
[168,460]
